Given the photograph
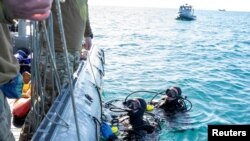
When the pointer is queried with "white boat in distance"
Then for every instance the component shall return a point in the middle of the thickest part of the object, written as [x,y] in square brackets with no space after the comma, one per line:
[186,12]
[222,10]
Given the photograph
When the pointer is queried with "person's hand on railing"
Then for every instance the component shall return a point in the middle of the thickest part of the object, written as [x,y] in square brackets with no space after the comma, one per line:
[87,43]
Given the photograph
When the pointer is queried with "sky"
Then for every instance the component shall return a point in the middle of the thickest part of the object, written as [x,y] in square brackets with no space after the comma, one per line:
[229,5]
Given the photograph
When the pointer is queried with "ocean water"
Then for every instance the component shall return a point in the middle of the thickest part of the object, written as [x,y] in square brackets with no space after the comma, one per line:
[209,58]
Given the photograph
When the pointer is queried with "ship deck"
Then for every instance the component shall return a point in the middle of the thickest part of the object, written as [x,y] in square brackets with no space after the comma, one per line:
[16,125]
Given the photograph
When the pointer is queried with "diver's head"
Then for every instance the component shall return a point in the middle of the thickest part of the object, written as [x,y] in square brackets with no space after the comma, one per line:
[137,107]
[173,92]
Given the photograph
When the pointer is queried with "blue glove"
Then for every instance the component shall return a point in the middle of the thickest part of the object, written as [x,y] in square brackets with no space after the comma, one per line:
[106,130]
[13,89]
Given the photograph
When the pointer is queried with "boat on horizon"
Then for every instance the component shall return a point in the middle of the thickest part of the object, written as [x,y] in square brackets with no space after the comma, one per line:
[222,10]
[186,12]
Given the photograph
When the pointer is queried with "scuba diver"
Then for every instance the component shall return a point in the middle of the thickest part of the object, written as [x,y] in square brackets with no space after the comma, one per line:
[137,108]
[134,124]
[139,120]
[172,102]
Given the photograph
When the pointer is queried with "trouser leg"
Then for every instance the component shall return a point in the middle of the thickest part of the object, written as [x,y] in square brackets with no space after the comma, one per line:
[5,120]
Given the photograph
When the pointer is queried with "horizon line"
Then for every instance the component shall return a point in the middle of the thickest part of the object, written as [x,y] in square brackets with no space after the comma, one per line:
[161,7]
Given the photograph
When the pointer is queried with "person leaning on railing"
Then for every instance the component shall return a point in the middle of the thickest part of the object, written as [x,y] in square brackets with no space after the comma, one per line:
[78,35]
[10,79]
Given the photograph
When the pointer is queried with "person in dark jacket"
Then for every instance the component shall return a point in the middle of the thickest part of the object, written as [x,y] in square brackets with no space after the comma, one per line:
[9,67]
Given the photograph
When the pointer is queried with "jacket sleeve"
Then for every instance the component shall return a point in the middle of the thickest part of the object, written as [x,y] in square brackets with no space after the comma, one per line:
[88,30]
[3,14]
[2,19]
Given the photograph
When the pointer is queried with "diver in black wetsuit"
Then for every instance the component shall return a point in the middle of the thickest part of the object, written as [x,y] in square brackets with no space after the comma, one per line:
[140,127]
[172,102]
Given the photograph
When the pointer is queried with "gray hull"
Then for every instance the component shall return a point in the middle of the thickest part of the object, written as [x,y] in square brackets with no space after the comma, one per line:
[184,17]
[60,124]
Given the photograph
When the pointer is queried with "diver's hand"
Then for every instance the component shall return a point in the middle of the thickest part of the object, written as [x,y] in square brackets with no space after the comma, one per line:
[28,9]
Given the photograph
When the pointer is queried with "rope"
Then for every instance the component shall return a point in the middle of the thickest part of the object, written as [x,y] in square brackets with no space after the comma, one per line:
[88,58]
[52,55]
[38,86]
[67,64]
[139,92]
[35,79]
[97,87]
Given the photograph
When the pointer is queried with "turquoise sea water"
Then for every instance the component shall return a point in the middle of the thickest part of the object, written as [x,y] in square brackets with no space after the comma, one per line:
[147,49]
